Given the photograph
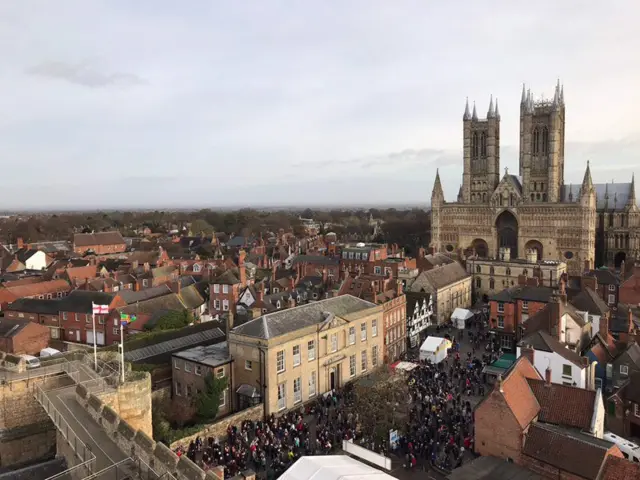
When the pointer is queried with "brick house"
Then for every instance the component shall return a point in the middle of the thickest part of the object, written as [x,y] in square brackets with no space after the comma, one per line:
[629,290]
[608,285]
[43,312]
[100,243]
[42,290]
[362,257]
[511,308]
[225,289]
[147,277]
[552,429]
[76,317]
[190,368]
[315,265]
[623,408]
[21,337]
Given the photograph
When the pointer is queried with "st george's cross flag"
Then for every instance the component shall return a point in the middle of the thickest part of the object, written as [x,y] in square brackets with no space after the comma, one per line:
[100,309]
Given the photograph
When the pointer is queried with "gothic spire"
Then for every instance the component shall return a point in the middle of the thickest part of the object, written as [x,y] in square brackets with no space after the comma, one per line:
[587,183]
[467,115]
[491,113]
[474,115]
[523,99]
[556,95]
[571,192]
[632,190]
[497,112]
[437,193]
[460,196]
[562,95]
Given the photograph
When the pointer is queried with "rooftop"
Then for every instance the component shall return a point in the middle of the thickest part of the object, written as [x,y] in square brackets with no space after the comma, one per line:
[274,324]
[212,355]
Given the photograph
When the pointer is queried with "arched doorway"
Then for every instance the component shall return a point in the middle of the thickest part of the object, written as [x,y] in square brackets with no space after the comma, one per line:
[507,227]
[480,247]
[534,245]
[619,258]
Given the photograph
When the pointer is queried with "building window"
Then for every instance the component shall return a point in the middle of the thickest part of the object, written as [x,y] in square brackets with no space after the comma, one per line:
[636,410]
[334,342]
[500,321]
[377,270]
[525,306]
[374,327]
[55,333]
[216,304]
[87,318]
[624,370]
[280,361]
[352,365]
[296,355]
[282,396]
[178,389]
[145,282]
[545,140]
[505,342]
[363,363]
[297,390]
[525,272]
[478,269]
[492,271]
[374,356]
[478,282]
[220,373]
[225,288]
[187,367]
[311,350]
[223,397]
[216,288]
[225,305]
[196,268]
[248,365]
[612,299]
[116,331]
[312,384]
[176,364]
[612,288]
[352,335]
[508,271]
[363,332]
[189,390]
[500,307]
[566,370]
[492,283]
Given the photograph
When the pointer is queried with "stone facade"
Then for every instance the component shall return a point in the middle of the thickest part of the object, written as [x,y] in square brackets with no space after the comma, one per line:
[132,402]
[536,209]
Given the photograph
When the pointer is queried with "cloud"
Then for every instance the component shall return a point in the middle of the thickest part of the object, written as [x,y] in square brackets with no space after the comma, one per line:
[408,157]
[85,74]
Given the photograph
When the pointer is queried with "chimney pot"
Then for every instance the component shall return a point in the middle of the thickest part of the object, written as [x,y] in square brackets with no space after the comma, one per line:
[547,376]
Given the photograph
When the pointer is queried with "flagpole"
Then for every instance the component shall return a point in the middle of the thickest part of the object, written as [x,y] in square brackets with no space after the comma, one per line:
[122,348]
[95,345]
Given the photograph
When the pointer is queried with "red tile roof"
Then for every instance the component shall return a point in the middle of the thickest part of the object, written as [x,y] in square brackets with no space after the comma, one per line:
[564,405]
[98,238]
[518,395]
[616,468]
[40,288]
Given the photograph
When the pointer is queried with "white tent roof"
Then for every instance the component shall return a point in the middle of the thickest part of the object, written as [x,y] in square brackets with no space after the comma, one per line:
[462,313]
[332,467]
[431,344]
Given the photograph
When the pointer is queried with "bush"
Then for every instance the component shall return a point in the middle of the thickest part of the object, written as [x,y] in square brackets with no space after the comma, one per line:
[173,320]
[208,402]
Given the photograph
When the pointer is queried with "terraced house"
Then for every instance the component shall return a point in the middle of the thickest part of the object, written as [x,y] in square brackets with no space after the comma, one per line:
[291,356]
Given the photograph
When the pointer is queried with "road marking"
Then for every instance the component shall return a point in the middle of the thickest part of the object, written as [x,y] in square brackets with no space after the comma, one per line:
[83,428]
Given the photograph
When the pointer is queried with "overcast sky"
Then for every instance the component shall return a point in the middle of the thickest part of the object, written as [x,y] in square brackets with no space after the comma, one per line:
[147,103]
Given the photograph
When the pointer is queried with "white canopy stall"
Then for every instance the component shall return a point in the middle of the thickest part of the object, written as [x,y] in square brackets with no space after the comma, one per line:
[460,316]
[434,349]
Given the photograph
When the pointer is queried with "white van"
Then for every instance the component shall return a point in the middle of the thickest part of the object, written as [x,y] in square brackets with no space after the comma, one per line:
[31,361]
[49,352]
[630,450]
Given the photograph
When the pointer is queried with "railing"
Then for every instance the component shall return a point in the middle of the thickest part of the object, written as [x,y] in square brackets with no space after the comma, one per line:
[127,469]
[81,450]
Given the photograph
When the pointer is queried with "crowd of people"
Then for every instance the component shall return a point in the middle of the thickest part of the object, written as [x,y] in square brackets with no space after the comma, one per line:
[437,432]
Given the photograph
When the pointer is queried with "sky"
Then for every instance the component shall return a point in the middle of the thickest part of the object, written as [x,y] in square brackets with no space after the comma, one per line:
[158,103]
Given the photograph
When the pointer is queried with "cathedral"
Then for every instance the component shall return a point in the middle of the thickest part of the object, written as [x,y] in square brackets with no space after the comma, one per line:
[586,225]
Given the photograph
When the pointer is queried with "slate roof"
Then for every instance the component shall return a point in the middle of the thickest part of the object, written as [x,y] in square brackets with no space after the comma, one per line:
[278,323]
[438,277]
[173,345]
[563,404]
[80,301]
[528,293]
[616,191]
[131,296]
[190,297]
[632,388]
[589,301]
[616,468]
[571,451]
[492,468]
[229,277]
[10,328]
[604,276]
[542,341]
[211,355]
[316,259]
[25,254]
[98,238]
[164,303]
[34,305]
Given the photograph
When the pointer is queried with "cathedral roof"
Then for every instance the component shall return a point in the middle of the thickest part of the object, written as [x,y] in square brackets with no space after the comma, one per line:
[618,194]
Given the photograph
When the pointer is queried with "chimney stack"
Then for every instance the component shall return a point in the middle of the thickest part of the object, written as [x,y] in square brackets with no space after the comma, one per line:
[20,242]
[242,268]
[604,326]
[547,376]
[325,276]
[400,288]
[528,352]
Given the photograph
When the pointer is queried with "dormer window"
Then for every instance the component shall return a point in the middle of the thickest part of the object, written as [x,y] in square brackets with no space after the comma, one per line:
[275,290]
[196,267]
[278,305]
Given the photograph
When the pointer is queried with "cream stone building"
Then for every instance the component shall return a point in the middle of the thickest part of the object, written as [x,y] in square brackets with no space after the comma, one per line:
[449,286]
[491,276]
[581,225]
[291,356]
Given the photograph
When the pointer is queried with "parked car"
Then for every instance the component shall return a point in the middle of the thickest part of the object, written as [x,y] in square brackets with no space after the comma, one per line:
[49,352]
[31,361]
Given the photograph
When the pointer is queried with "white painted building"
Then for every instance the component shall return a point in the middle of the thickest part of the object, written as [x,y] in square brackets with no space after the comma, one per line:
[588,302]
[567,367]
[34,259]
[419,316]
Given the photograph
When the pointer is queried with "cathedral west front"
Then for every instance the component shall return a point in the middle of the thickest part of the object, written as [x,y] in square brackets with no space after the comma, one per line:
[585,225]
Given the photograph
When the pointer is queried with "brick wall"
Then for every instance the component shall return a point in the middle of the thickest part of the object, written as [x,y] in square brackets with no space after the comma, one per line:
[219,429]
[497,433]
[31,339]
